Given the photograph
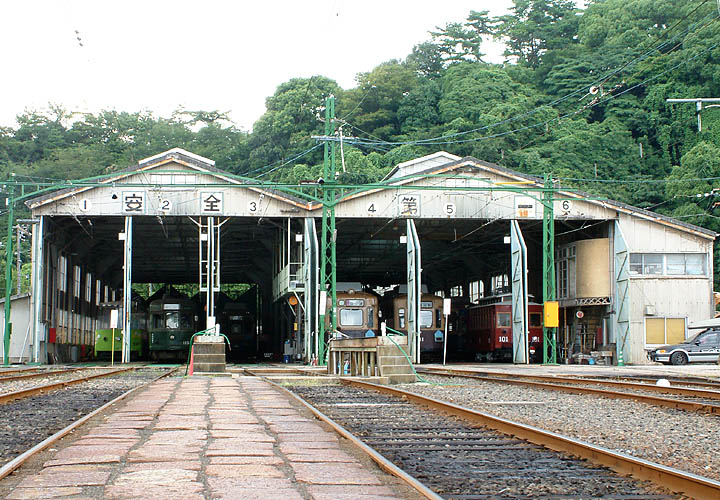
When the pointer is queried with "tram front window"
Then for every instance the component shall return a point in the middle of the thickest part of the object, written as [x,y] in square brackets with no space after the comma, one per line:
[178,320]
[426,319]
[351,317]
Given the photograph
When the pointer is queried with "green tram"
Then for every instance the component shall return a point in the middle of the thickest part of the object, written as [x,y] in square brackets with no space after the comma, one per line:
[109,339]
[172,321]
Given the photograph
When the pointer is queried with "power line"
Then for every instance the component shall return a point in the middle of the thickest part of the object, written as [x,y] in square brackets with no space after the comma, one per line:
[291,160]
[546,122]
[436,140]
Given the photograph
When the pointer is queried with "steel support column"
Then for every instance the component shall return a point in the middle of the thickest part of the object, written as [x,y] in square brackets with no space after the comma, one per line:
[518,257]
[328,261]
[622,294]
[549,290]
[36,295]
[127,289]
[310,281]
[10,202]
[414,290]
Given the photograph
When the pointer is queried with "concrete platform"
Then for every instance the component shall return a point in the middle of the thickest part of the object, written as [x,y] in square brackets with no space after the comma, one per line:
[205,438]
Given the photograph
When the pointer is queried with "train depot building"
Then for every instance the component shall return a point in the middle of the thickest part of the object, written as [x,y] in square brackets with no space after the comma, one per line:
[626,279]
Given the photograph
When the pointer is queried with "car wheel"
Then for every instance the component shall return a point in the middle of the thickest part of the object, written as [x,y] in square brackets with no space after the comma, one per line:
[679,358]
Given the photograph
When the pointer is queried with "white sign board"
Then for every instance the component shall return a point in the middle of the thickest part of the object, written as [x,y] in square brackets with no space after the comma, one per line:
[133,202]
[211,202]
[114,316]
[524,207]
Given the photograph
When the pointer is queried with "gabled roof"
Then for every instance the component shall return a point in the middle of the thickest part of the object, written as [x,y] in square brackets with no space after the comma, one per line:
[180,156]
[580,195]
[434,164]
[421,164]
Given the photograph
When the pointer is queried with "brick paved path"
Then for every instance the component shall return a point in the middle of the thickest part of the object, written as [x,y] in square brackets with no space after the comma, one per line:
[206,438]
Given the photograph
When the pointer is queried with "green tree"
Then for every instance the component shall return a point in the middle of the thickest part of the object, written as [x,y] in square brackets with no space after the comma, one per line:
[536,26]
[294,113]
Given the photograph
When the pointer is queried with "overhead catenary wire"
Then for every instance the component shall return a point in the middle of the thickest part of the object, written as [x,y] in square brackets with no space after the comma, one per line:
[439,140]
[598,81]
[608,97]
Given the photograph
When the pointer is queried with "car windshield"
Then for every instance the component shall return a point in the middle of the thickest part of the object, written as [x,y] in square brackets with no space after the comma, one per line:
[695,337]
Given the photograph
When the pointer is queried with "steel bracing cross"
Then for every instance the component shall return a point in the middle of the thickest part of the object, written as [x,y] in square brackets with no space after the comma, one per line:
[328,236]
[549,290]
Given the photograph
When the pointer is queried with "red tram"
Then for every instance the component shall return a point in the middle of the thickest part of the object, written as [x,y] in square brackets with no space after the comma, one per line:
[357,314]
[489,330]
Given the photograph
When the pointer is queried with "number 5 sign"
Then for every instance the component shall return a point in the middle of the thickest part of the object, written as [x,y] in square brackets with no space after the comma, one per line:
[450,209]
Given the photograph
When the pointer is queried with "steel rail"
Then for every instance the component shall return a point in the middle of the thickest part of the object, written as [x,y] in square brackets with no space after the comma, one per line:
[645,398]
[19,370]
[708,384]
[260,372]
[24,393]
[620,382]
[670,478]
[40,374]
[380,460]
[18,461]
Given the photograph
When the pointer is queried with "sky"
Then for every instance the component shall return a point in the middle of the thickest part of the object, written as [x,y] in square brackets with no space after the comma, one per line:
[159,55]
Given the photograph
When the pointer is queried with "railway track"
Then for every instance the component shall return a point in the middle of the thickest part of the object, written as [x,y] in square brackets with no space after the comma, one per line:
[37,374]
[39,389]
[28,422]
[459,460]
[19,370]
[685,398]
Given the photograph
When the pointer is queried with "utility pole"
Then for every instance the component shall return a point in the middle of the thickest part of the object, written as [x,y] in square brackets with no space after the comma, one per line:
[699,106]
[328,236]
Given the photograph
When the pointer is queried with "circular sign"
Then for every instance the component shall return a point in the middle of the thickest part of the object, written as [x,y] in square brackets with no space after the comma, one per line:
[165,205]
[579,315]
[85,205]
[293,300]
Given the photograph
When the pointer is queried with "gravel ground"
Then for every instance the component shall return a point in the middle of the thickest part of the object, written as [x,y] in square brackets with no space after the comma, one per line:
[48,378]
[28,421]
[680,439]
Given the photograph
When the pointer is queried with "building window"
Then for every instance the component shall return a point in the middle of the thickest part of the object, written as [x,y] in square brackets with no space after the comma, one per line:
[668,264]
[663,331]
[456,291]
[77,274]
[88,287]
[500,284]
[62,273]
[565,258]
[476,291]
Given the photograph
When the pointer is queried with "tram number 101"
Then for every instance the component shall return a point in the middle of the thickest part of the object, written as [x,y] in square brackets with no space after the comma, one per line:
[503,338]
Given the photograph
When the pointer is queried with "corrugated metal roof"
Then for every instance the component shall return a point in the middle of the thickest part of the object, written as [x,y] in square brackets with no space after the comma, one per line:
[180,155]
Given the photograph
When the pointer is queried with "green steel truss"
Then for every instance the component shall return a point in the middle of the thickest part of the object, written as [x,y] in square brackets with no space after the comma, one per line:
[328,236]
[321,193]
[549,292]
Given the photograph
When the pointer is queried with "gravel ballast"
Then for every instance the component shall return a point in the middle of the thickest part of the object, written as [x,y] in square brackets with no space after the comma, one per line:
[685,440]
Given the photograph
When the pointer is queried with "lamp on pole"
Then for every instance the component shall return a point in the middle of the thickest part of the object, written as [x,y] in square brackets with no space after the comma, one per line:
[699,105]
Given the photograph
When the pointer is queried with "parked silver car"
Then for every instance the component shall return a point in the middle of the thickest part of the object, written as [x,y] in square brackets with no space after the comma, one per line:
[703,347]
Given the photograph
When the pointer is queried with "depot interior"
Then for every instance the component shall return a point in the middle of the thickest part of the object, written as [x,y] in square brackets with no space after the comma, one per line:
[468,260]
